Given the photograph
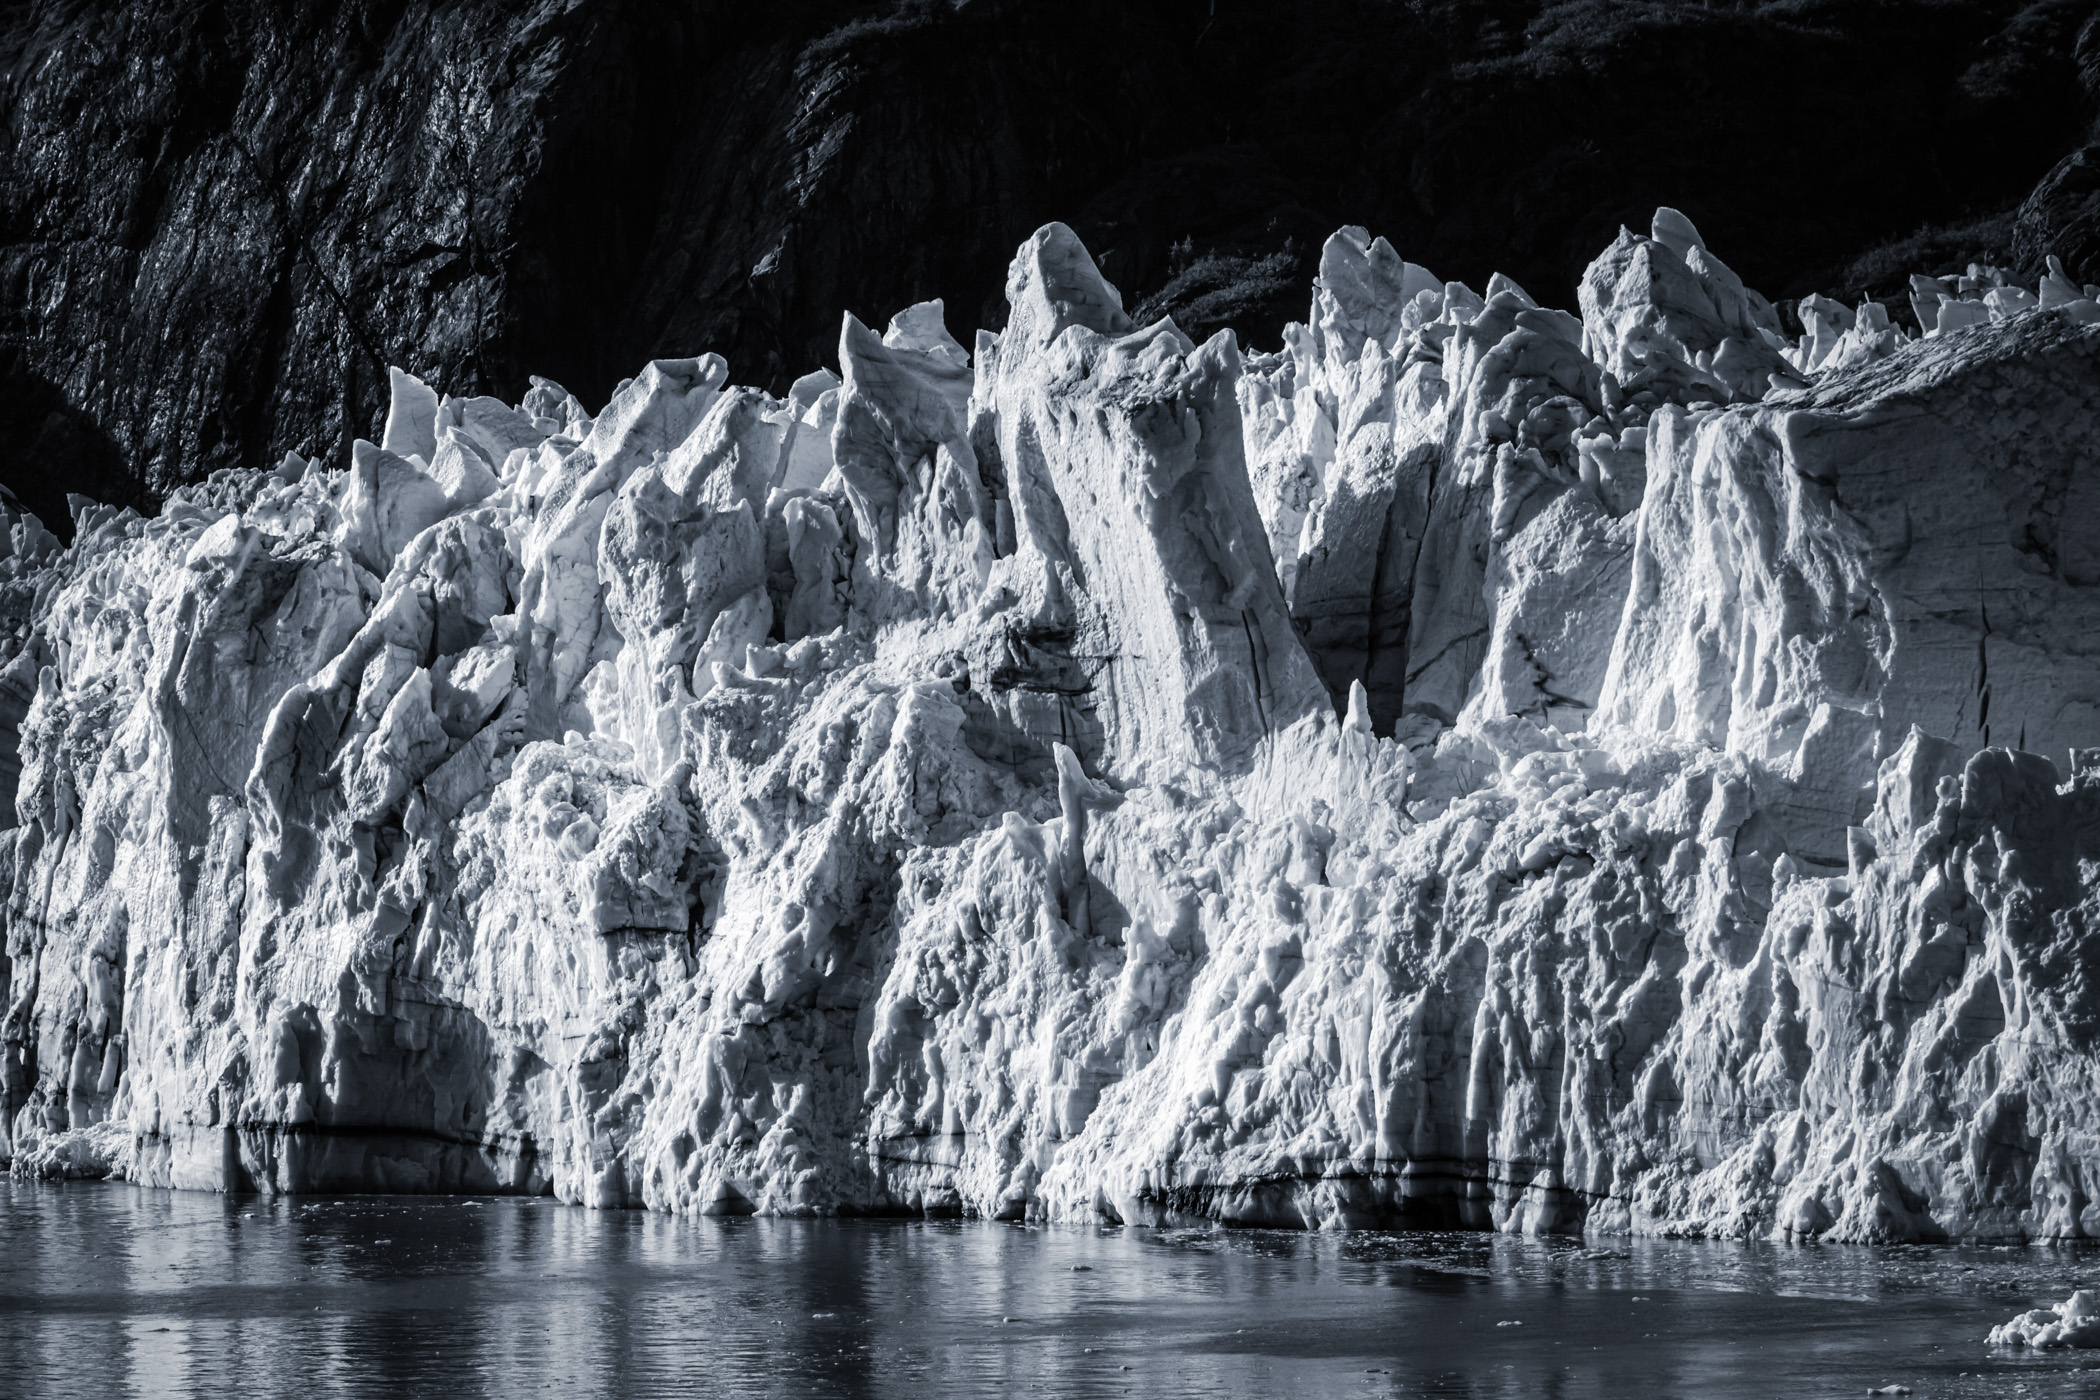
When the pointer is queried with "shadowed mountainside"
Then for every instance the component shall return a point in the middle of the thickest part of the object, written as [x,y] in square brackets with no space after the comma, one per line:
[218,222]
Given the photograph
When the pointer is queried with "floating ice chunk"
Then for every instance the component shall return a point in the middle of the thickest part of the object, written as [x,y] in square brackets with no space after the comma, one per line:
[2075,1322]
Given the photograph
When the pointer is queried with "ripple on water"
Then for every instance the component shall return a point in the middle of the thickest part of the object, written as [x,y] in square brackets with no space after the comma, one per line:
[110,1289]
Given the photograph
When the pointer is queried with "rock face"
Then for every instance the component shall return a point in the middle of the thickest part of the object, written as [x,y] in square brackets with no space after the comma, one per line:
[220,223]
[1480,765]
[2062,216]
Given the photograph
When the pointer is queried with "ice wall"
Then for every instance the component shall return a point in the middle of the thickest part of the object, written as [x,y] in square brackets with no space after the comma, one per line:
[1479,764]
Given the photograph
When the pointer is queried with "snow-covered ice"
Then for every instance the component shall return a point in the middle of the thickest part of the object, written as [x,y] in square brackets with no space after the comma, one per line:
[1478,764]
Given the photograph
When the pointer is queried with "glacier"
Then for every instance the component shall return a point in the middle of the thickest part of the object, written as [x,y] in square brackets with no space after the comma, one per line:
[1477,765]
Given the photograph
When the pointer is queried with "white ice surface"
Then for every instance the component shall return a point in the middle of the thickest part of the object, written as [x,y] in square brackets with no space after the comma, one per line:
[1478,764]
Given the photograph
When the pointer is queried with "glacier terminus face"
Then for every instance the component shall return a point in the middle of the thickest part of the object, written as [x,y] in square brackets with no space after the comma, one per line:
[1626,772]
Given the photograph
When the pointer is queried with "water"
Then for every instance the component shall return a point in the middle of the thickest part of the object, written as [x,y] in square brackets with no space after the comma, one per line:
[109,1290]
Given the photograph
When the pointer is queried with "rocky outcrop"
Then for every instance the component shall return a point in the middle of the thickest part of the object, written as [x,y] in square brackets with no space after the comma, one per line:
[1480,765]
[2061,218]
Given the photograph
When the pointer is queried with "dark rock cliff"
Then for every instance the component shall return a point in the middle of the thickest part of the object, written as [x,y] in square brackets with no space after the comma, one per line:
[219,221]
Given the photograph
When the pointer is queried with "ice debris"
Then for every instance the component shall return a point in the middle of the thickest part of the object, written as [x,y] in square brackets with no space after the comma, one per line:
[2075,1322]
[1479,765]
[95,1153]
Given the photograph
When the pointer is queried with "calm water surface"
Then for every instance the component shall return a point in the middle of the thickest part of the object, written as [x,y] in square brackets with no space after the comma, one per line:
[113,1290]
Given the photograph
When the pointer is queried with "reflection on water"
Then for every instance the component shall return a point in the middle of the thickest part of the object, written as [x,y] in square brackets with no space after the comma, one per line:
[112,1290]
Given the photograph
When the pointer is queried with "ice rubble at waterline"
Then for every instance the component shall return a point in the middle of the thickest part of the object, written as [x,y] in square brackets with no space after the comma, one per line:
[2075,1322]
[1477,765]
